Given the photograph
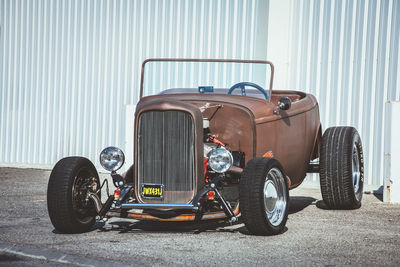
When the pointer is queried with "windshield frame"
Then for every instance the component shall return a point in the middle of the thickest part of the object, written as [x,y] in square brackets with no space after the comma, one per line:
[208,60]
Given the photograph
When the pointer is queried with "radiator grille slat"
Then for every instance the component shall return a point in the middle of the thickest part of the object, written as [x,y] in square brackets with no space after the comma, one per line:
[166,150]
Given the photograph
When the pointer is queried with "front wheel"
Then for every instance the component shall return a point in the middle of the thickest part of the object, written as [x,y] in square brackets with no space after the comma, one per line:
[264,197]
[70,208]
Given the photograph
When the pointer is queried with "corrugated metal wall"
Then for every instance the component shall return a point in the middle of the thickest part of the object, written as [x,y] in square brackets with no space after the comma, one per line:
[347,54]
[68,68]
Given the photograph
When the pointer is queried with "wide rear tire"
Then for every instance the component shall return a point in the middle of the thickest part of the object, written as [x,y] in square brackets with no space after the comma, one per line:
[341,168]
[264,197]
[70,210]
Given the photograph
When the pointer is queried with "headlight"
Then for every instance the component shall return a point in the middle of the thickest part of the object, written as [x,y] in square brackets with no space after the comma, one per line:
[112,158]
[220,160]
[208,148]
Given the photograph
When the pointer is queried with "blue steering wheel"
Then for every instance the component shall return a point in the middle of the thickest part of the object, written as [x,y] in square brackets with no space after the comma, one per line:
[242,85]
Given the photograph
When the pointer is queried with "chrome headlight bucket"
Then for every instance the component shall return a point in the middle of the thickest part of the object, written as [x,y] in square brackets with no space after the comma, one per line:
[112,158]
[220,160]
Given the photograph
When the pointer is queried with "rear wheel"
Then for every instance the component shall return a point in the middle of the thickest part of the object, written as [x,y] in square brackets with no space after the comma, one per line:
[341,168]
[264,197]
[70,208]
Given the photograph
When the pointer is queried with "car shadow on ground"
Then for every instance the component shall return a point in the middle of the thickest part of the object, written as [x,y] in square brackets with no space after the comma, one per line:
[321,204]
[296,204]
[378,193]
[299,203]
[168,227]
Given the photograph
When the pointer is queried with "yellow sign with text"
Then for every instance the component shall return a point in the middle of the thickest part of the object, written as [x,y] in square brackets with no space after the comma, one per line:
[152,190]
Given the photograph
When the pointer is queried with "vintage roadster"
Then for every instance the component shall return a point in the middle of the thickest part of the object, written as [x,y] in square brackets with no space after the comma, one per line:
[205,153]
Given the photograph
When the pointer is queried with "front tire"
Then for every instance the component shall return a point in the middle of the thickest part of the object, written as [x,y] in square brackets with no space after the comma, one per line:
[264,197]
[341,168]
[70,209]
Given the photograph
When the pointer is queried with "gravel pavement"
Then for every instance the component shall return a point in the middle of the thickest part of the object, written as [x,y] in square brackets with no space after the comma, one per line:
[314,236]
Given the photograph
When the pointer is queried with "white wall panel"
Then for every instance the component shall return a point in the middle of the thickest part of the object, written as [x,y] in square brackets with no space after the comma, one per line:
[69,68]
[346,53]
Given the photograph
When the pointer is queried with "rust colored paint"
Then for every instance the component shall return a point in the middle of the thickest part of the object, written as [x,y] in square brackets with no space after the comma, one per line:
[254,125]
[233,123]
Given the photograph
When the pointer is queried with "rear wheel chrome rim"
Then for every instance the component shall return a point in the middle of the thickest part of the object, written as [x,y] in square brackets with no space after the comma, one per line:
[275,196]
[356,169]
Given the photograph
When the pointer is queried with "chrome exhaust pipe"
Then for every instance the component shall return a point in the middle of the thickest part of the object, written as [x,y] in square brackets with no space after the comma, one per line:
[97,202]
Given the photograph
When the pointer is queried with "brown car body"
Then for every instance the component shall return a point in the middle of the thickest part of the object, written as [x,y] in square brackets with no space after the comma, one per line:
[209,153]
[252,125]
[249,124]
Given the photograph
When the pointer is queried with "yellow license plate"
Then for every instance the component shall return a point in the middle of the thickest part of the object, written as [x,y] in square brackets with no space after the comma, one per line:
[152,190]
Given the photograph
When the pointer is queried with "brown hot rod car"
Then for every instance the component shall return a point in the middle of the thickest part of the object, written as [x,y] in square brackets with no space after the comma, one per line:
[213,153]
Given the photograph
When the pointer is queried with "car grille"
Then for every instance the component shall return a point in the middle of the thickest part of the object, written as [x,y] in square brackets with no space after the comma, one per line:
[166,154]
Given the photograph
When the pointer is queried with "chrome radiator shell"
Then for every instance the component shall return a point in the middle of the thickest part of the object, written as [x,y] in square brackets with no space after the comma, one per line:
[168,150]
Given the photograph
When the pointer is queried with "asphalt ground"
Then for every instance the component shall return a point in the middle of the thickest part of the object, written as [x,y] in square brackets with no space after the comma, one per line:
[369,236]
